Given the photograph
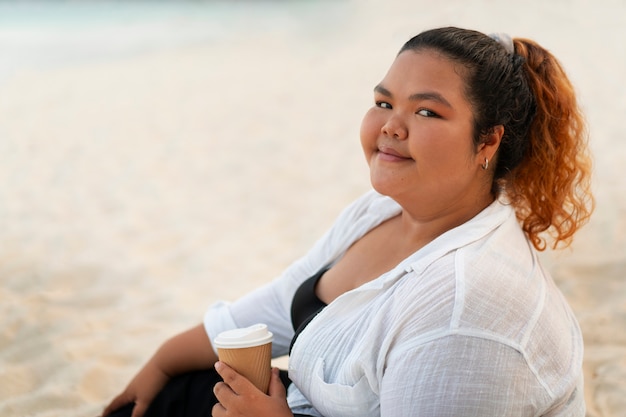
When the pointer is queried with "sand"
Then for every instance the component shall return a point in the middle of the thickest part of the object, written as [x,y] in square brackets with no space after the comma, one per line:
[139,186]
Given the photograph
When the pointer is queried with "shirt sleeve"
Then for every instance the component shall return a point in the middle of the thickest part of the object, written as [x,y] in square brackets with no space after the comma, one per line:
[459,375]
[271,303]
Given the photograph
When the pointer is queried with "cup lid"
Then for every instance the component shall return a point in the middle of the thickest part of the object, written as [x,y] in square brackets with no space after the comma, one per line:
[254,335]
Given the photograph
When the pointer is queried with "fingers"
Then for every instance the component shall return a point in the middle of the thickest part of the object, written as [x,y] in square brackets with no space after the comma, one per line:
[140,409]
[237,383]
[277,388]
[222,391]
[218,410]
[121,400]
[249,401]
[225,398]
[117,402]
[239,397]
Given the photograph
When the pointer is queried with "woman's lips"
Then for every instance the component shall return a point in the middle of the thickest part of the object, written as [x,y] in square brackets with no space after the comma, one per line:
[389,154]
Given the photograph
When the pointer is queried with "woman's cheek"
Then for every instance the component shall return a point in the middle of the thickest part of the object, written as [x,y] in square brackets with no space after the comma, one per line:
[370,129]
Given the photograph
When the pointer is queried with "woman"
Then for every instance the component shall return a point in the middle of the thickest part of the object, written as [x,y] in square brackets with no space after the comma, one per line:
[426,297]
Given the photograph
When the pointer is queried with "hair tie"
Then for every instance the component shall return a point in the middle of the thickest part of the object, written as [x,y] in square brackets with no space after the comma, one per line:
[504,40]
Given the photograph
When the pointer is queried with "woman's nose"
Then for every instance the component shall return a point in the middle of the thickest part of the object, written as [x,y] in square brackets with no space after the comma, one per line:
[395,128]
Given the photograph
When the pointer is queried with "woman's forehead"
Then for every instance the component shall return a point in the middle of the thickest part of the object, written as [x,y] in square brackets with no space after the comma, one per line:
[424,70]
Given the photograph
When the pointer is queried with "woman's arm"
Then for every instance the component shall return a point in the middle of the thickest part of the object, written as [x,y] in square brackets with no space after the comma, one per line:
[460,375]
[187,351]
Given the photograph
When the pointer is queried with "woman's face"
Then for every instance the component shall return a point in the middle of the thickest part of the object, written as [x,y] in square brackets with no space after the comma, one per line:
[418,136]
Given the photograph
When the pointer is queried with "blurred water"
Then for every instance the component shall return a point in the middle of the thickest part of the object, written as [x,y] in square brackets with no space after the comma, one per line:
[35,35]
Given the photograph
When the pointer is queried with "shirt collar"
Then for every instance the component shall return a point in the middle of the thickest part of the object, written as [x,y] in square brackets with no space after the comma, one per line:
[471,231]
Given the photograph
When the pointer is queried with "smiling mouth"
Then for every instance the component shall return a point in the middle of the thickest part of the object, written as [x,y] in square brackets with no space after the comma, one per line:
[390,154]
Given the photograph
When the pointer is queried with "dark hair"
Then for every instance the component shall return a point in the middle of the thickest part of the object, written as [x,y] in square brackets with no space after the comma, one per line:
[542,164]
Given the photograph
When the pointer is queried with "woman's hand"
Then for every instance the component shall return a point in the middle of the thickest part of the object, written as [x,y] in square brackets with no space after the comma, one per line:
[238,397]
[188,351]
[141,390]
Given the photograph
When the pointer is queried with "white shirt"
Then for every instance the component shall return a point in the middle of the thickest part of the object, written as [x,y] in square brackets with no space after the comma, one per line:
[469,325]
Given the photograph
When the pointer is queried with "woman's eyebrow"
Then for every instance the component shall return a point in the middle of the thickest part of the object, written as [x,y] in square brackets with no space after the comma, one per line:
[382,90]
[429,96]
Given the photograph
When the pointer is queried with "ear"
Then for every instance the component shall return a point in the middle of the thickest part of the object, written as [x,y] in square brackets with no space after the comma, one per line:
[490,143]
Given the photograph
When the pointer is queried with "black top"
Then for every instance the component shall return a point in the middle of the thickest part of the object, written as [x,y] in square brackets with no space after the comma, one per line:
[306,304]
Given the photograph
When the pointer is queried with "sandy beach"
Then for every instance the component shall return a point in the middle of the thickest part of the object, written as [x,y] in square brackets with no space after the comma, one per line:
[151,164]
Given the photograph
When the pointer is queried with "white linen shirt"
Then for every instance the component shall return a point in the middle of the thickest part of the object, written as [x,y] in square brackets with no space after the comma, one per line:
[469,325]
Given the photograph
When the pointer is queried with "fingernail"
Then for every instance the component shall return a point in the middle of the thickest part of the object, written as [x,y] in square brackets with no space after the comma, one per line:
[218,366]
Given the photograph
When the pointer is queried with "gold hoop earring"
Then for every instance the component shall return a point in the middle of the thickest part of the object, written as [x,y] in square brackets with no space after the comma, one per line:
[486,164]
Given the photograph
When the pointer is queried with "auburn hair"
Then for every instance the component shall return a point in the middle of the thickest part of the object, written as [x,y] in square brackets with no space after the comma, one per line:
[543,166]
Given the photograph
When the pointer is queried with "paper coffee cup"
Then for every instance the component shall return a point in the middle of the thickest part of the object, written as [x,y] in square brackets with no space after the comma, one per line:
[249,352]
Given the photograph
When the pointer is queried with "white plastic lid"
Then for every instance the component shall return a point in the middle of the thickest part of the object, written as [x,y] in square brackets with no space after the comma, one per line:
[255,335]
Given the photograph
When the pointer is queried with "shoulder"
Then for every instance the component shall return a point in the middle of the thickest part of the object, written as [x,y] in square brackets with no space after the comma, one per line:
[363,214]
[492,288]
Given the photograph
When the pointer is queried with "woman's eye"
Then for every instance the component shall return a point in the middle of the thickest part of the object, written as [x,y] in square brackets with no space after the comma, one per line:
[427,113]
[383,105]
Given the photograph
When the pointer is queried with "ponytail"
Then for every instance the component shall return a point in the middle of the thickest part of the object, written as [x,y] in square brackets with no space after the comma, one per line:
[550,188]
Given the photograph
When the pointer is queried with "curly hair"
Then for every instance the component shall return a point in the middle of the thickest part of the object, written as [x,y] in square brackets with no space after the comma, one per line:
[542,166]
[560,201]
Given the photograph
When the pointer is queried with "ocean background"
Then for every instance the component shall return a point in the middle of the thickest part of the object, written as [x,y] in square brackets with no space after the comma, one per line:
[37,35]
